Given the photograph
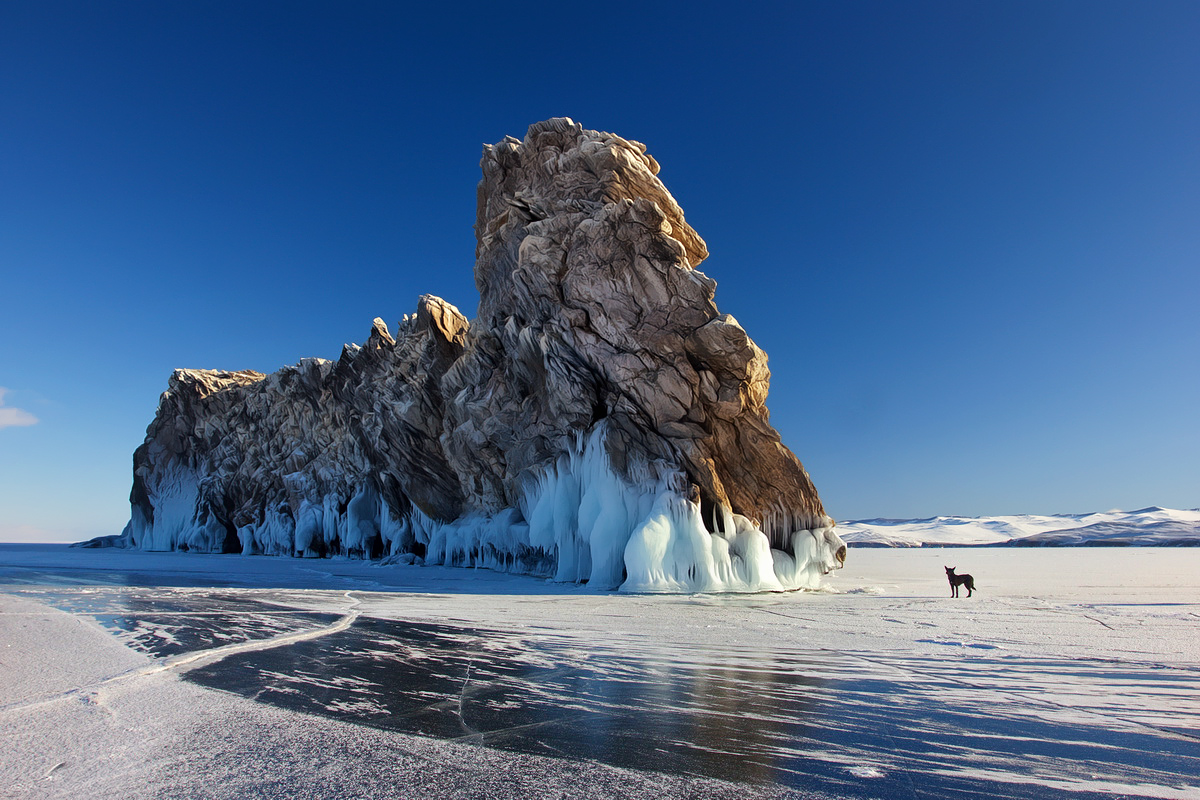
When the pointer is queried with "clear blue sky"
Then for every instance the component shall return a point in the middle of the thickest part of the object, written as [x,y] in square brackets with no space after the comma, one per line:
[967,233]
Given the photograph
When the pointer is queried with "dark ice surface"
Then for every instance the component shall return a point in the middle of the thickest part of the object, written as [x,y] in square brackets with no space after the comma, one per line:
[727,720]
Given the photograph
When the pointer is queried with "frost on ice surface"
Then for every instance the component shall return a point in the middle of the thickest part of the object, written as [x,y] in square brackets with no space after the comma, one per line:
[577,522]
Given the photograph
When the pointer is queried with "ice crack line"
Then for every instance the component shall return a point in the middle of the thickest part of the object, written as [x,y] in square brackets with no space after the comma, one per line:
[1102,622]
[190,661]
[462,699]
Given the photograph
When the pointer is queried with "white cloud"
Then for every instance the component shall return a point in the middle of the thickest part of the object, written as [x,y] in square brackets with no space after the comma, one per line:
[14,417]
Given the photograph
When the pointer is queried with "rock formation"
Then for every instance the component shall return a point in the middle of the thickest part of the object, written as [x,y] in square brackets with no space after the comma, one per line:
[599,420]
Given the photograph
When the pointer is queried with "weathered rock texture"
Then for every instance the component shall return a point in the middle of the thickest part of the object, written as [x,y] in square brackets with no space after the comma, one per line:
[592,317]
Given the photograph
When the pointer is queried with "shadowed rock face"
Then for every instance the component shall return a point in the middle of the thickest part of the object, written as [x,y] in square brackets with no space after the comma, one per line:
[591,314]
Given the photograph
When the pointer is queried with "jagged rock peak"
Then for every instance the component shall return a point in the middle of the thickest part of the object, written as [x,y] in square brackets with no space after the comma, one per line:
[561,168]
[204,382]
[599,402]
[585,268]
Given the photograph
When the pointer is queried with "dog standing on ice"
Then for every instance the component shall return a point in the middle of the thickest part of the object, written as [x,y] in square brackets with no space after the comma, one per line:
[959,580]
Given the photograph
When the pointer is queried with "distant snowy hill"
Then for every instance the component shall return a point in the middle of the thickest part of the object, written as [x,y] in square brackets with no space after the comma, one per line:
[1146,527]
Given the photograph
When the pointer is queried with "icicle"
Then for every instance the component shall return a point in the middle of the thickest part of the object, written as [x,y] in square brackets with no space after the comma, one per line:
[582,522]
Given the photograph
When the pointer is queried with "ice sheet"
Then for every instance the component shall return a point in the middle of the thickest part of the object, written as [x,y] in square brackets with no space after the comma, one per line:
[1071,673]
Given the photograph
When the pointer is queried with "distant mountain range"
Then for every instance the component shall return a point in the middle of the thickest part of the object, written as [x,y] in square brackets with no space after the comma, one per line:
[1146,527]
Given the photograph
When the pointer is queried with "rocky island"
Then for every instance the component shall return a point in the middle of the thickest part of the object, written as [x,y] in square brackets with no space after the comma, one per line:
[598,421]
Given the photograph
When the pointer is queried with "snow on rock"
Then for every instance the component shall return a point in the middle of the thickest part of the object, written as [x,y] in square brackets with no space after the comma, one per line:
[1149,527]
[599,421]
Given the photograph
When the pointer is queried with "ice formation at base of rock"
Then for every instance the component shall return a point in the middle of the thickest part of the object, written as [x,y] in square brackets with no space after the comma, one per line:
[578,522]
[599,421]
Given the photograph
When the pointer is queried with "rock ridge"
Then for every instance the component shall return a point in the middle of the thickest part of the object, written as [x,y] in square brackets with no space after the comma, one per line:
[597,373]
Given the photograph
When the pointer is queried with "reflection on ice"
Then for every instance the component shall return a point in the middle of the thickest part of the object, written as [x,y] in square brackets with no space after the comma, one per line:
[848,725]
[722,716]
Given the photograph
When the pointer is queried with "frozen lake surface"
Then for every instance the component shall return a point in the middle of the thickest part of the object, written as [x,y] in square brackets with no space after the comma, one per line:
[1070,673]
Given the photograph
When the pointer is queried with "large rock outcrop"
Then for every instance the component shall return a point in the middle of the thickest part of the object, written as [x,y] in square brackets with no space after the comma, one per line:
[599,420]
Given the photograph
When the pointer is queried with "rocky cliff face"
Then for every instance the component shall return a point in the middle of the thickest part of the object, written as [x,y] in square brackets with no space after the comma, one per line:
[599,420]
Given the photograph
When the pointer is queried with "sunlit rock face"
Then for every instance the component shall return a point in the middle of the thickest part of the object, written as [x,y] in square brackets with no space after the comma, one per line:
[599,421]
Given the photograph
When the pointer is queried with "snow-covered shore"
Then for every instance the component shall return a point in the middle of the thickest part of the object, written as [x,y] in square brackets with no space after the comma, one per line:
[1146,527]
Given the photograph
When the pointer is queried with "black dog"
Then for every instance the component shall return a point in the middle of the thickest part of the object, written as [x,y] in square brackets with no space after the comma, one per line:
[959,580]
